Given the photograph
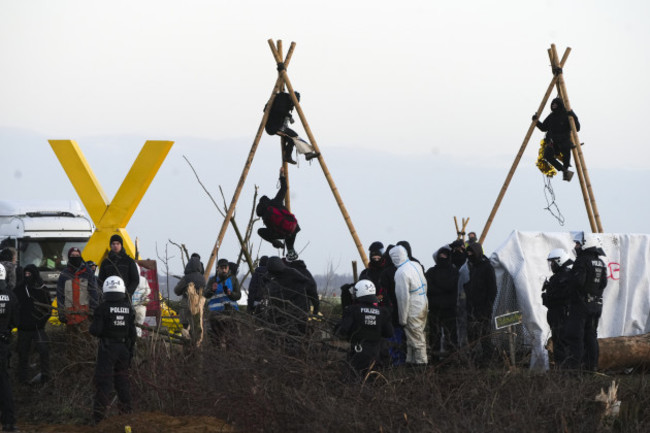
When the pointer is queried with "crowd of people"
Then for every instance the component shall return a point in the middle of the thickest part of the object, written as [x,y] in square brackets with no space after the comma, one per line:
[449,307]
[396,314]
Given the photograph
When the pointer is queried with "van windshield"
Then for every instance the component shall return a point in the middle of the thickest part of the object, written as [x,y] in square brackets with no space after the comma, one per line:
[47,254]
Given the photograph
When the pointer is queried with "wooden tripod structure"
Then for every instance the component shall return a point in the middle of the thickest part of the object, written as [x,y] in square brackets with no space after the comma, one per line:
[581,168]
[281,82]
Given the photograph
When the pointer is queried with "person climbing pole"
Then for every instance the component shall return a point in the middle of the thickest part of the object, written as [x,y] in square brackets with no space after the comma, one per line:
[278,124]
[280,223]
[558,136]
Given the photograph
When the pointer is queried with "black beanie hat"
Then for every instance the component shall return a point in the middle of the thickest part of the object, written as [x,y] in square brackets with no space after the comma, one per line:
[376,247]
[117,238]
[6,255]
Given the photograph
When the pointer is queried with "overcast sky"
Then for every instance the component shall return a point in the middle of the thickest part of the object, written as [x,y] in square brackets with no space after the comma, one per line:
[434,97]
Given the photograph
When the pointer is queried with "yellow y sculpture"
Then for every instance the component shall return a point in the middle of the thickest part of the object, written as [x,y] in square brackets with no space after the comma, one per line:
[110,218]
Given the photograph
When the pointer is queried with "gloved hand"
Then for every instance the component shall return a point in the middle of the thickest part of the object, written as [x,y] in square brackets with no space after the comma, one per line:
[535,117]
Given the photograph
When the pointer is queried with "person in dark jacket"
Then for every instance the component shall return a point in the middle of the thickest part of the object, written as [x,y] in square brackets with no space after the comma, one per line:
[558,136]
[222,292]
[193,274]
[8,320]
[77,294]
[311,288]
[396,343]
[480,292]
[442,293]
[120,264]
[557,294]
[589,279]
[290,295]
[34,311]
[278,221]
[278,124]
[114,324]
[256,294]
[458,253]
[365,324]
[376,266]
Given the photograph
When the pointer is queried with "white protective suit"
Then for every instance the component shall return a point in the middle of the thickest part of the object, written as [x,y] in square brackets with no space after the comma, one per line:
[140,299]
[412,305]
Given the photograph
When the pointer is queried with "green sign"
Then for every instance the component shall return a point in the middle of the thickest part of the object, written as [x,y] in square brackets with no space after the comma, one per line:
[508,319]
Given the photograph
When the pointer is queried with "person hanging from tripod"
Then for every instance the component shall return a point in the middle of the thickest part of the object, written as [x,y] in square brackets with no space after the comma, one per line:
[279,222]
[558,136]
[278,124]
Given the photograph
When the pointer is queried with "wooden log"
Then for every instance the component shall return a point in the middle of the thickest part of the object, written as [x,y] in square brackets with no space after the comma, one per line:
[511,173]
[624,352]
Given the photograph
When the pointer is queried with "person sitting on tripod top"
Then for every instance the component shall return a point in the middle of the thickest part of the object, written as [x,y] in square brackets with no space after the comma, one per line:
[558,136]
[278,124]
[279,222]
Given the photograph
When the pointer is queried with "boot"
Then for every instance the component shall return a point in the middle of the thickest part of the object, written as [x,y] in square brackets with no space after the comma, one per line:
[567,175]
[287,146]
[292,255]
[311,155]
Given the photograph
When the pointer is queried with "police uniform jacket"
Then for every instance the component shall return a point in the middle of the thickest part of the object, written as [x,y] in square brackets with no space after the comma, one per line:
[114,321]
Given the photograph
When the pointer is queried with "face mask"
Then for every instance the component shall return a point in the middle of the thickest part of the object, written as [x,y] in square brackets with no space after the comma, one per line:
[75,261]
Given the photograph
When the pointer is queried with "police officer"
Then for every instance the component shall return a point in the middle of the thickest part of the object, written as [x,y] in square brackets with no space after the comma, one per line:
[557,293]
[114,325]
[589,278]
[8,320]
[365,323]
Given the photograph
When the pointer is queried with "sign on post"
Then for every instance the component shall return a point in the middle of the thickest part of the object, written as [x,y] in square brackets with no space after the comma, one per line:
[508,319]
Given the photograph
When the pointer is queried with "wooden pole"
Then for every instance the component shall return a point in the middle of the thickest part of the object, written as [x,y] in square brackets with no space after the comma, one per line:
[247,166]
[511,173]
[465,222]
[585,193]
[285,164]
[583,173]
[312,140]
[355,275]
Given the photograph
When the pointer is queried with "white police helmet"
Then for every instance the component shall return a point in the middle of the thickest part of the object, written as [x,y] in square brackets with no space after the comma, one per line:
[114,284]
[3,272]
[363,288]
[579,237]
[558,257]
[591,241]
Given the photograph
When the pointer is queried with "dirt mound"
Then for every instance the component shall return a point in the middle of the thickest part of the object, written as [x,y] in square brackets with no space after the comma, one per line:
[144,422]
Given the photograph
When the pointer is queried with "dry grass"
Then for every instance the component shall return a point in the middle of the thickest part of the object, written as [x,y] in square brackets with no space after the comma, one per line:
[267,381]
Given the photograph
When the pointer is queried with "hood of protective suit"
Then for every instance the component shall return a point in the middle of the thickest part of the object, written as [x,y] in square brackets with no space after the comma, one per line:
[398,255]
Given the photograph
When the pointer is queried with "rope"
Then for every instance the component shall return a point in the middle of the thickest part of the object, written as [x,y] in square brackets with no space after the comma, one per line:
[552,207]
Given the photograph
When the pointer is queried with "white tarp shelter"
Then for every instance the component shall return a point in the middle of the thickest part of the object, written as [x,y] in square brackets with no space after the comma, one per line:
[521,268]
